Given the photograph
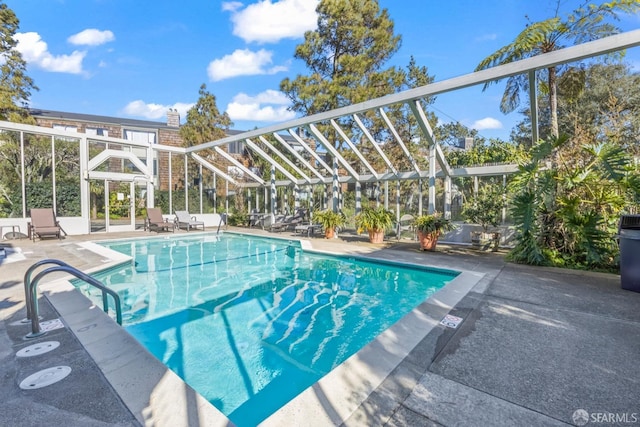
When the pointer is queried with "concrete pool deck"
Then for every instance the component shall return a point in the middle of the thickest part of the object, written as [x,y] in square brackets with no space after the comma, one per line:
[535,345]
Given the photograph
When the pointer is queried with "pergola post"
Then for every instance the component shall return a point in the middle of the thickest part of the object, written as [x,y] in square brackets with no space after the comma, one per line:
[447,197]
[215,189]
[432,179]
[296,197]
[386,195]
[419,196]
[273,189]
[398,202]
[226,197]
[335,202]
[358,197]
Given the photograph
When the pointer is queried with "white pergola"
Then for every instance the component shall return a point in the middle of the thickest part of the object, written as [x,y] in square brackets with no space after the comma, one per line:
[302,160]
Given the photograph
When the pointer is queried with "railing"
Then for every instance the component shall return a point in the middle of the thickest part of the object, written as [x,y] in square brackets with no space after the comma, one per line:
[31,291]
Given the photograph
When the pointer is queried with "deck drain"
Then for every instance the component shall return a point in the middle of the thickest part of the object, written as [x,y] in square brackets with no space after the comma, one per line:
[38,349]
[45,377]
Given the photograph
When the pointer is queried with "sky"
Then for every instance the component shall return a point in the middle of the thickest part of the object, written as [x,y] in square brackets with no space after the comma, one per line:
[138,59]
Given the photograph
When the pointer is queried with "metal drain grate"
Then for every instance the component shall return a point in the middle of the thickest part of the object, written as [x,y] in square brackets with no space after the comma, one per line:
[45,377]
[38,349]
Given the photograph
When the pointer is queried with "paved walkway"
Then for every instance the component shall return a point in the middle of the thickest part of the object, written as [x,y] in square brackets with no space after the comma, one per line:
[535,346]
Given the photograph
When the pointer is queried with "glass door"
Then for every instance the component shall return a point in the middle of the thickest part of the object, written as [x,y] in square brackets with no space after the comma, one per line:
[119,206]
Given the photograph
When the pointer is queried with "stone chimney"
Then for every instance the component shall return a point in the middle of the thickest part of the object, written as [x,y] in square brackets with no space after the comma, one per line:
[173,118]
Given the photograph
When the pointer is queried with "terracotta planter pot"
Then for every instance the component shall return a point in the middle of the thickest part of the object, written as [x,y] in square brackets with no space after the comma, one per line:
[427,241]
[376,236]
[329,233]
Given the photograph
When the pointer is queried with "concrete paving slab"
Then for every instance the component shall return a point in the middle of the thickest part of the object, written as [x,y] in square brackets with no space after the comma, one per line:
[549,360]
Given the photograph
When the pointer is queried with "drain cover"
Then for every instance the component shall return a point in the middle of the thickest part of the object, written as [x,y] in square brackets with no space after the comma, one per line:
[38,349]
[45,377]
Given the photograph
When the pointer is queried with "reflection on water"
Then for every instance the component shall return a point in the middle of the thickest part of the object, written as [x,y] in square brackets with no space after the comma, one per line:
[250,323]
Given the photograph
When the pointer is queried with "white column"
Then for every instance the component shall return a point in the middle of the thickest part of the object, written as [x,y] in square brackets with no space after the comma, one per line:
[358,197]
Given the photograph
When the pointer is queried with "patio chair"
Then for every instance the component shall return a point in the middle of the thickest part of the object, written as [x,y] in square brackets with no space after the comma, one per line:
[406,224]
[44,224]
[186,221]
[156,221]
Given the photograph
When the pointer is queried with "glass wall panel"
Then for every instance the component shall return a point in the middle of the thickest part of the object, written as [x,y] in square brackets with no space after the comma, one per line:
[38,171]
[208,191]
[193,185]
[10,175]
[67,173]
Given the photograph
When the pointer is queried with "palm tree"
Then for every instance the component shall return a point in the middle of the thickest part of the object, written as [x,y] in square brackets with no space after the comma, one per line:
[584,24]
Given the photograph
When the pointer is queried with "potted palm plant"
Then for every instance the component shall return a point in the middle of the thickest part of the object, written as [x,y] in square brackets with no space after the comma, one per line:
[329,221]
[429,228]
[486,211]
[375,221]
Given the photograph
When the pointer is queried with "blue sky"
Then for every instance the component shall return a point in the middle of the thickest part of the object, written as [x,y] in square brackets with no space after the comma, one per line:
[137,59]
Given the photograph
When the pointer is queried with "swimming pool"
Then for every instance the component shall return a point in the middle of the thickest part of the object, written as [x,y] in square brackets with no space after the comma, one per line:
[251,322]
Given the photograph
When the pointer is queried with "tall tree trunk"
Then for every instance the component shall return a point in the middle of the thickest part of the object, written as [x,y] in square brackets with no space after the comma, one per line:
[553,101]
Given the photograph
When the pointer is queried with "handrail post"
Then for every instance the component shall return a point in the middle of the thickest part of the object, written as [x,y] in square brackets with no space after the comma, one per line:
[32,299]
[27,281]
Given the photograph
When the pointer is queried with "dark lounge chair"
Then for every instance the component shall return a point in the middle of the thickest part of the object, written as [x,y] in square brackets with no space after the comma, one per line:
[44,224]
[156,221]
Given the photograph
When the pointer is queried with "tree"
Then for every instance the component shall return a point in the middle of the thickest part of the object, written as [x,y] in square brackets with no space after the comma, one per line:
[346,56]
[586,23]
[204,121]
[15,85]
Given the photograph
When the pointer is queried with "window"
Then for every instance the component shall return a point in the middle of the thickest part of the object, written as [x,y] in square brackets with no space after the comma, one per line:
[68,128]
[97,131]
[236,147]
[140,136]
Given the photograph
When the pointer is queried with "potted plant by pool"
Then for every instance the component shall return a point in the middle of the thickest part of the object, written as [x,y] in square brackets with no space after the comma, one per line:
[376,221]
[486,211]
[429,228]
[329,221]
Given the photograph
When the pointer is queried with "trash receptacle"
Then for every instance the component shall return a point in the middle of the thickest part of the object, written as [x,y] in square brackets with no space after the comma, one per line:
[629,241]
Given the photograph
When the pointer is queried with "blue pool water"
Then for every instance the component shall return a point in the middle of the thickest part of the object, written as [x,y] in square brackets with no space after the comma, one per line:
[251,322]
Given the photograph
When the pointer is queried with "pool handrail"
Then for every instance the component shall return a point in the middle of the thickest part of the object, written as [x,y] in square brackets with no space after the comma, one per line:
[32,300]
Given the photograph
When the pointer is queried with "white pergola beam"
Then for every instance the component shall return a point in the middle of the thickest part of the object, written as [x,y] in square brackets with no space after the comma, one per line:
[298,156]
[367,134]
[609,44]
[315,155]
[271,161]
[213,169]
[284,158]
[322,140]
[351,145]
[239,165]
[399,140]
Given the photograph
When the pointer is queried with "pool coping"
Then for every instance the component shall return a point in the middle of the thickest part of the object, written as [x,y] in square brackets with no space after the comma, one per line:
[156,395]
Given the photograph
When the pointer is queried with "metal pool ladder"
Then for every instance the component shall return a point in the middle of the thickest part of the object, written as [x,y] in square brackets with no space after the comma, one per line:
[31,290]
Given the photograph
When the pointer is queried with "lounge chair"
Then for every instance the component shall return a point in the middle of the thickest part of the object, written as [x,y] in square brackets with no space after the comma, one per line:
[156,221]
[184,220]
[44,224]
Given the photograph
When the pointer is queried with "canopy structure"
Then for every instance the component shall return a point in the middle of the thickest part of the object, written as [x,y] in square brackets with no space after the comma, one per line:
[388,139]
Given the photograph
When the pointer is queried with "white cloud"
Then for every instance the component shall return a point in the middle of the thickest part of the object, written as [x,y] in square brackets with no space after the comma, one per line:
[231,6]
[270,21]
[487,123]
[91,37]
[36,52]
[154,111]
[268,106]
[242,63]
[486,37]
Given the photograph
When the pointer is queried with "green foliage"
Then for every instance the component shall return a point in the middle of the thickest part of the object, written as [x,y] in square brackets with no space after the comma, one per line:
[486,207]
[495,151]
[374,219]
[15,85]
[567,202]
[433,223]
[329,219]
[204,121]
[585,23]
[40,195]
